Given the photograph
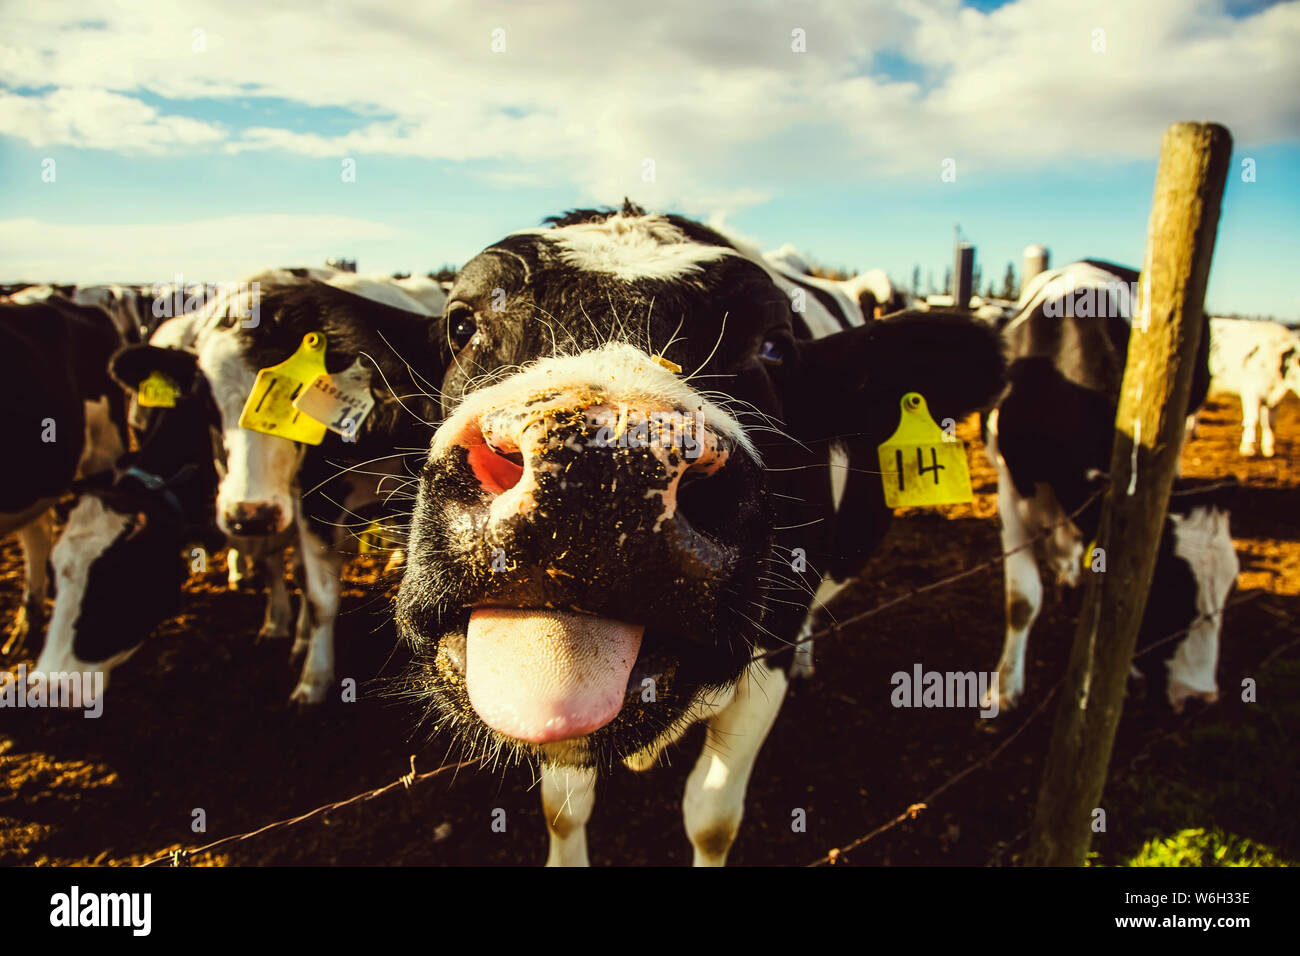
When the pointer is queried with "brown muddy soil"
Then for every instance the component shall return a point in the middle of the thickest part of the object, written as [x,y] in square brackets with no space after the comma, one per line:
[199,719]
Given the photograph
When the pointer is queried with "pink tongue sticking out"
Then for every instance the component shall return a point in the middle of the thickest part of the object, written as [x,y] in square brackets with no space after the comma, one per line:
[543,676]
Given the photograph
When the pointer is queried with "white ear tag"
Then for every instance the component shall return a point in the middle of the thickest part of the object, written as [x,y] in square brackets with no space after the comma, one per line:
[340,402]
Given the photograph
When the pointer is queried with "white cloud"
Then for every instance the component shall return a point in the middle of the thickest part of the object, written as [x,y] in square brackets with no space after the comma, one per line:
[99,119]
[711,91]
[206,250]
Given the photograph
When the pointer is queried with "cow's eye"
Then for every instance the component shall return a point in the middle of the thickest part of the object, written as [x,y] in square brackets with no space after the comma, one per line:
[772,352]
[460,324]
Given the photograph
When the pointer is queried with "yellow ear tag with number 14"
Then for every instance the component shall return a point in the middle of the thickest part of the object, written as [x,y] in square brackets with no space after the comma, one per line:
[269,408]
[919,465]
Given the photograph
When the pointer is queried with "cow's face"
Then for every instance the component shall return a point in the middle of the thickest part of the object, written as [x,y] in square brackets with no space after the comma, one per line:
[255,499]
[591,541]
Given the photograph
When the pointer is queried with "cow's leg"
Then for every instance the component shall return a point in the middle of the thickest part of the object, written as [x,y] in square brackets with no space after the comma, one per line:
[279,608]
[234,569]
[36,538]
[1023,591]
[1265,431]
[715,791]
[568,796]
[1249,420]
[322,567]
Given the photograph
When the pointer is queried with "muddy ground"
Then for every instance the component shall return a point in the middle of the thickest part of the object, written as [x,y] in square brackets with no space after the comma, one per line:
[199,719]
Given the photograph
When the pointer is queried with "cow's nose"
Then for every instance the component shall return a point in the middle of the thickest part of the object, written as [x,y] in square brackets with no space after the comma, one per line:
[253,519]
[529,456]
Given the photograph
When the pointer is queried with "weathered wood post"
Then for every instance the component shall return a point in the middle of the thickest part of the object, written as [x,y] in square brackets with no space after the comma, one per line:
[1167,325]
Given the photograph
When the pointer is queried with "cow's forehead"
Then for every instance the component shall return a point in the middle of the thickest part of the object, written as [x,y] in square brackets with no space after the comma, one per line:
[627,247]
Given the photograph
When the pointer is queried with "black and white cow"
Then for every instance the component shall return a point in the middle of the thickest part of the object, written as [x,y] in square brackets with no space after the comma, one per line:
[1050,439]
[1259,362]
[140,529]
[631,497]
[66,419]
[872,291]
[273,491]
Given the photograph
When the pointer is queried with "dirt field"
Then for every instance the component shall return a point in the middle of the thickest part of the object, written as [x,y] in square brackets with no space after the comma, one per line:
[199,719]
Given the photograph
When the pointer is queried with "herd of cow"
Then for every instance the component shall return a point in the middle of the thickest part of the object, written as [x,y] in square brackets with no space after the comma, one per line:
[570,596]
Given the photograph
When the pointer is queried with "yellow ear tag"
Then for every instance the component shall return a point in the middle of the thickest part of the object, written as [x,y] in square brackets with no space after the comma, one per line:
[157,391]
[269,407]
[919,465]
[374,539]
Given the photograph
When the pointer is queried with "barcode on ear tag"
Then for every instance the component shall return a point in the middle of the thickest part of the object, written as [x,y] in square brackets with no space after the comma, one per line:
[157,391]
[340,402]
[919,465]
[269,407]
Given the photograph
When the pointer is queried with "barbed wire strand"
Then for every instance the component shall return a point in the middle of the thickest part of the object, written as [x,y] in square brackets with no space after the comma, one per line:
[182,856]
[838,626]
[914,809]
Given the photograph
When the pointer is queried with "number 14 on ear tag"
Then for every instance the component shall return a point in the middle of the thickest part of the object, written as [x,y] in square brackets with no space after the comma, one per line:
[919,465]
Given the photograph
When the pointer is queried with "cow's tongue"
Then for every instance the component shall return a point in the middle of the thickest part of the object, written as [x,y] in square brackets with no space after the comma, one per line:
[542,676]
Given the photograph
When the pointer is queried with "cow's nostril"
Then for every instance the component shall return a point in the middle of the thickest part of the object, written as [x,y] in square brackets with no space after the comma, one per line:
[496,471]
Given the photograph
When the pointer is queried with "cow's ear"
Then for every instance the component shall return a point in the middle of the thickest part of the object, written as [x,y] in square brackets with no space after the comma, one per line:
[132,364]
[850,383]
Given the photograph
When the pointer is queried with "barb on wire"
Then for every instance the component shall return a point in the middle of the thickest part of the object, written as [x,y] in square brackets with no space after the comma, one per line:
[182,857]
[834,856]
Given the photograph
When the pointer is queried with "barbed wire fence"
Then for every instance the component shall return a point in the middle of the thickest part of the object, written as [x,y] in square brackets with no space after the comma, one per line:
[183,857]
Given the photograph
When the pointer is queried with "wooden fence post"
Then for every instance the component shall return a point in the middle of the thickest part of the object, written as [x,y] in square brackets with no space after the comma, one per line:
[1166,329]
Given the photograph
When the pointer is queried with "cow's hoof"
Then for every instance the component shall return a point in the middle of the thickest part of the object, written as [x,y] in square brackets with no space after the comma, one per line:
[1008,694]
[273,632]
[1247,451]
[1267,451]
[310,692]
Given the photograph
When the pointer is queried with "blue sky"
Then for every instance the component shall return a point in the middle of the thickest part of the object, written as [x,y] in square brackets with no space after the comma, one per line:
[194,138]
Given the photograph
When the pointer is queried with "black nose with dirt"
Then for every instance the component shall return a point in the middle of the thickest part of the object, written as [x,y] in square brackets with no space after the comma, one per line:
[577,526]
[253,520]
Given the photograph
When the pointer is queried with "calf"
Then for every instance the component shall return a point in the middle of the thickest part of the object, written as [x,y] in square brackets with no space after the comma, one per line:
[622,520]
[872,291]
[1050,439]
[1259,362]
[66,420]
[139,528]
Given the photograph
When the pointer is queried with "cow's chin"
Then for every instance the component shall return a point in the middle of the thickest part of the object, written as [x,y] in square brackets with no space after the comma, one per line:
[665,683]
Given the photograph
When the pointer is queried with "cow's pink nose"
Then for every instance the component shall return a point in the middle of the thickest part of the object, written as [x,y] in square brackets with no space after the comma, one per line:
[509,446]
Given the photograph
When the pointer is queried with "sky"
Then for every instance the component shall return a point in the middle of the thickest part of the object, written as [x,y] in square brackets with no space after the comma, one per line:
[141,141]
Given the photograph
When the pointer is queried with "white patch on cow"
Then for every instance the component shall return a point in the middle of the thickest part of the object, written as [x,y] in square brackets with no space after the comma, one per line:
[428,292]
[568,797]
[380,289]
[1203,540]
[1023,588]
[630,247]
[259,469]
[621,373]
[1077,275]
[322,566]
[714,801]
[91,529]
